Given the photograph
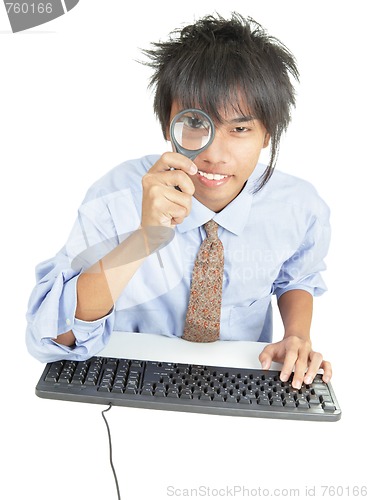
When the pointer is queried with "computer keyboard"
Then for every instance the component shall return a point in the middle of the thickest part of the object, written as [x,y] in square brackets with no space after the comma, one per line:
[186,387]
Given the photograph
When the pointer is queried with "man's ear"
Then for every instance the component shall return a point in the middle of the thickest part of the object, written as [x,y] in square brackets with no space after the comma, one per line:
[266,140]
[167,138]
[167,135]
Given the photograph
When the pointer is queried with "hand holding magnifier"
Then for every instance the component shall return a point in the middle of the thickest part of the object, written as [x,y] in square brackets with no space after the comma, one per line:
[191,132]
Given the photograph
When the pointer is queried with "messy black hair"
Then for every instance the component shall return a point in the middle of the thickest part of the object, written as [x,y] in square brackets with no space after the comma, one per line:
[217,64]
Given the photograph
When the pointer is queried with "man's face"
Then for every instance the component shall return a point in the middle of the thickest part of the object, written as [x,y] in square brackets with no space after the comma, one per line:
[229,161]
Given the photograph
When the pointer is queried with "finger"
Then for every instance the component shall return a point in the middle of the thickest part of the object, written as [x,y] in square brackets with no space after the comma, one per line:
[178,198]
[327,369]
[266,357]
[176,161]
[316,360]
[300,369]
[154,182]
[272,352]
[178,212]
[173,211]
[288,365]
[180,179]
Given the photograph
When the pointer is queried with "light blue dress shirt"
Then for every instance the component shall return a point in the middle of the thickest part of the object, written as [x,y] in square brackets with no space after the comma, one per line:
[274,241]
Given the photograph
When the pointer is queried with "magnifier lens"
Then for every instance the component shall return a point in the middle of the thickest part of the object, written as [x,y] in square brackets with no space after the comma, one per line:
[191,132]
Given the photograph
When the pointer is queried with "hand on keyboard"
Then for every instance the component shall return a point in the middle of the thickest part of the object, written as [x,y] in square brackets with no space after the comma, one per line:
[295,354]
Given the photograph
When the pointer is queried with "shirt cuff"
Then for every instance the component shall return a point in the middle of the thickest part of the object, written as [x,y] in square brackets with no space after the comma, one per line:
[314,291]
[84,329]
[90,338]
[67,305]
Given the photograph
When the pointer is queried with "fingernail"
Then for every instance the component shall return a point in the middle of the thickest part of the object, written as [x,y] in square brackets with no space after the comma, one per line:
[284,377]
[264,365]
[308,380]
[297,384]
[193,169]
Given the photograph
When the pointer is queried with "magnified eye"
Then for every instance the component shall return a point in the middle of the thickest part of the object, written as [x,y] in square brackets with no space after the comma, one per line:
[193,122]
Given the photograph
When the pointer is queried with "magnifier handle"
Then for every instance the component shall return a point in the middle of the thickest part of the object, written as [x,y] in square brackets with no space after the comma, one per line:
[186,152]
[175,187]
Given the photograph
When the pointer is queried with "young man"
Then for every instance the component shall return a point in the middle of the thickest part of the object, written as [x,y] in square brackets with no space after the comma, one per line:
[116,273]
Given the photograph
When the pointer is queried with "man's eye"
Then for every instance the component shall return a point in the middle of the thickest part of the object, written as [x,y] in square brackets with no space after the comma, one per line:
[241,129]
[193,122]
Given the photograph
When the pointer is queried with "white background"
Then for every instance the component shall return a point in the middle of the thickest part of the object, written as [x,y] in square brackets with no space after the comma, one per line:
[73,104]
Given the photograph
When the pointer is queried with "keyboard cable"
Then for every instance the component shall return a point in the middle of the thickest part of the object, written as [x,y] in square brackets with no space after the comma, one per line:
[111,451]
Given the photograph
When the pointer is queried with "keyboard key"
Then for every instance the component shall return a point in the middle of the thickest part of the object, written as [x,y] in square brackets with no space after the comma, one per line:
[131,390]
[218,397]
[91,380]
[231,398]
[186,395]
[302,403]
[65,378]
[159,393]
[314,400]
[205,397]
[104,388]
[147,391]
[328,406]
[117,389]
[277,401]
[263,401]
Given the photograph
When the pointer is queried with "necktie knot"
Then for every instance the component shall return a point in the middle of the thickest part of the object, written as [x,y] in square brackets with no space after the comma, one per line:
[211,229]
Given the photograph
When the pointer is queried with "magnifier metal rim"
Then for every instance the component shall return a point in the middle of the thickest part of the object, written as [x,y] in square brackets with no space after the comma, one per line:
[190,153]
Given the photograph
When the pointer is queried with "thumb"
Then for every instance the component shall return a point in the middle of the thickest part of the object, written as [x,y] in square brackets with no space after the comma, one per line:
[266,357]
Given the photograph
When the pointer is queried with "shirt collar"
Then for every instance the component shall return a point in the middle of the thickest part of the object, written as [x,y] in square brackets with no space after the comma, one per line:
[233,217]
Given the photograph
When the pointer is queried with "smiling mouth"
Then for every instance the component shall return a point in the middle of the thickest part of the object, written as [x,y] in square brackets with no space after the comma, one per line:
[212,177]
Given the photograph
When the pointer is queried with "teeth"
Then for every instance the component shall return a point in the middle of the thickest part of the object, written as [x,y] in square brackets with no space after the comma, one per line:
[212,177]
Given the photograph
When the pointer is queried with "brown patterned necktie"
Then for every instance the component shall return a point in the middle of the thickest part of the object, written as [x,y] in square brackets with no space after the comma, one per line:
[203,312]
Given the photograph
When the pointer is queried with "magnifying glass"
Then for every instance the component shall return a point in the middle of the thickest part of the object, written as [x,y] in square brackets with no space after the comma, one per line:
[191,132]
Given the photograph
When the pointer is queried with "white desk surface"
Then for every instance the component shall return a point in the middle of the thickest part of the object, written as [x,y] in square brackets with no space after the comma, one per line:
[148,346]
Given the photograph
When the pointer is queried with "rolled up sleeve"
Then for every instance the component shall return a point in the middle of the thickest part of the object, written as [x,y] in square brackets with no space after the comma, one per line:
[51,312]
[302,271]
